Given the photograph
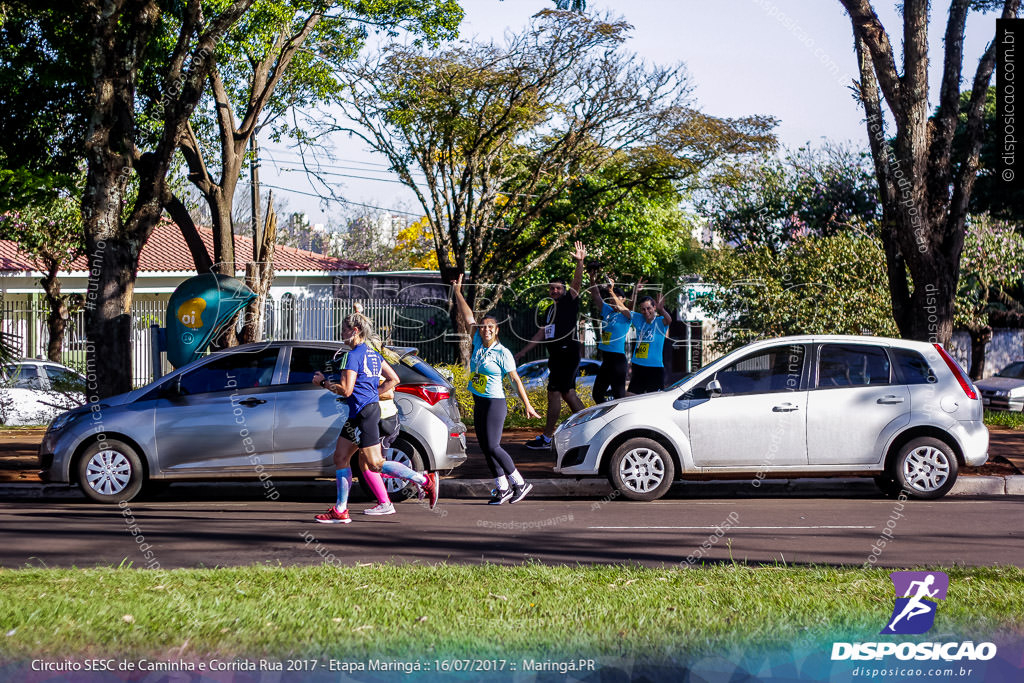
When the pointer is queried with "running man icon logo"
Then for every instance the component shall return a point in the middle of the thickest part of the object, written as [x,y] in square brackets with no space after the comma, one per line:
[914,613]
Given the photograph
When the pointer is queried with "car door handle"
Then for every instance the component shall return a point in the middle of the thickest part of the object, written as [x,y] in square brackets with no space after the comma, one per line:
[250,402]
[785,408]
[890,399]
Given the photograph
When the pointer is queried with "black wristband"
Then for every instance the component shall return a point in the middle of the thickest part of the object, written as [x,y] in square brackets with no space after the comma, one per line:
[323,382]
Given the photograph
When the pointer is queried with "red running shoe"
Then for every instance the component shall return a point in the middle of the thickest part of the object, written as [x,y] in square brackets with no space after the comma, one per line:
[431,488]
[332,516]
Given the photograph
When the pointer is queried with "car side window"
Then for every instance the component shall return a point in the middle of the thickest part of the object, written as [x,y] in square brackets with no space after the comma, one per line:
[64,380]
[771,370]
[852,365]
[913,368]
[306,361]
[231,372]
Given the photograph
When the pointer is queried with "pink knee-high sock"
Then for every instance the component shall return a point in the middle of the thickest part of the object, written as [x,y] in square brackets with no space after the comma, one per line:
[376,484]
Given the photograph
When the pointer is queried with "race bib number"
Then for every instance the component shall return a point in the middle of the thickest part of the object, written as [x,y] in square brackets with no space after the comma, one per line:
[478,381]
[606,337]
[549,331]
[643,349]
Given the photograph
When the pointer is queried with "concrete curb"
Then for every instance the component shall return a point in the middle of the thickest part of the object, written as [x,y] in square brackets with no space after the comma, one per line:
[596,488]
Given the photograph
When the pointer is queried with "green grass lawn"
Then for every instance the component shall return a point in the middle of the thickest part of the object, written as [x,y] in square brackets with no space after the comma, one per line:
[479,611]
[1004,418]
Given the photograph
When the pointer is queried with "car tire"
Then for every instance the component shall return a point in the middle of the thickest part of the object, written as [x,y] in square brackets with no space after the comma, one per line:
[641,469]
[110,472]
[925,468]
[887,485]
[402,450]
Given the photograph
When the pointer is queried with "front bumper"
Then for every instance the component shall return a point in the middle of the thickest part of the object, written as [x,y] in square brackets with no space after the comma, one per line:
[993,402]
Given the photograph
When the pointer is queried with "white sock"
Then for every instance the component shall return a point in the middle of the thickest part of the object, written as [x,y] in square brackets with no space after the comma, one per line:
[517,478]
[501,482]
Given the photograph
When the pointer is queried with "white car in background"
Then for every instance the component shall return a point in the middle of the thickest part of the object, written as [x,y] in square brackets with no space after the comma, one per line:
[900,411]
[1005,389]
[33,392]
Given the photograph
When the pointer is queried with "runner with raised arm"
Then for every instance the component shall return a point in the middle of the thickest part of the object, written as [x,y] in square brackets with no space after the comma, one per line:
[616,320]
[488,366]
[558,334]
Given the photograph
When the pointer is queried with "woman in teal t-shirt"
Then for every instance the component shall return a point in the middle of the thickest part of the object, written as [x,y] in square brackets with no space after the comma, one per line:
[651,330]
[488,366]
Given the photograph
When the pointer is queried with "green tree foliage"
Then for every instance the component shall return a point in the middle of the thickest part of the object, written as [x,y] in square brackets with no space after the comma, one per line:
[50,234]
[645,235]
[992,194]
[276,63]
[816,285]
[490,137]
[992,266]
[771,201]
[42,101]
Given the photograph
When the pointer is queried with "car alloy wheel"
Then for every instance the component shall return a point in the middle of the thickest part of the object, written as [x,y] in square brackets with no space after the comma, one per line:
[925,468]
[398,490]
[641,469]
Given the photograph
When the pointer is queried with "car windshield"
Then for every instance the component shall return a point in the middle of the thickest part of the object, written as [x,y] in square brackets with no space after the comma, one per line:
[1013,371]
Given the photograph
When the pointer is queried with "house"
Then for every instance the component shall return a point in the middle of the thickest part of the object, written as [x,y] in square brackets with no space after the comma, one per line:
[166,261]
[309,295]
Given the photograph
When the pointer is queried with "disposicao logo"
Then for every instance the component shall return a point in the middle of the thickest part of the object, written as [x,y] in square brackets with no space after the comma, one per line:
[913,614]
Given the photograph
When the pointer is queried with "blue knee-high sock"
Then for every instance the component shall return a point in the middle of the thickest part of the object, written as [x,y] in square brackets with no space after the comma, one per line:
[397,469]
[344,477]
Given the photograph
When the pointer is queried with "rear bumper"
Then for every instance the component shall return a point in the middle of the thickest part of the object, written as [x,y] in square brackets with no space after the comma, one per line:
[973,436]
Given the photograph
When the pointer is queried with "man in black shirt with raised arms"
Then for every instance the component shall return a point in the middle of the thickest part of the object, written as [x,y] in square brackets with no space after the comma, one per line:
[558,334]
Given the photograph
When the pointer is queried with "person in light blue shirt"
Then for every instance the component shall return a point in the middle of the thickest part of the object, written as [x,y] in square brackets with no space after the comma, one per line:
[615,323]
[651,331]
[488,366]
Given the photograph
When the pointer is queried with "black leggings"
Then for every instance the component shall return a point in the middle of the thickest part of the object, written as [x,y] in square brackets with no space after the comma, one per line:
[611,375]
[489,420]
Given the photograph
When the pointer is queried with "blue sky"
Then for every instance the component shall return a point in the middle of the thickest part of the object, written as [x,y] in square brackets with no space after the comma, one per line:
[792,59]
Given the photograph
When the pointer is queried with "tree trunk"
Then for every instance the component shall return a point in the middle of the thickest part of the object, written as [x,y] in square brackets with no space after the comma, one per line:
[56,320]
[980,337]
[259,274]
[223,254]
[112,265]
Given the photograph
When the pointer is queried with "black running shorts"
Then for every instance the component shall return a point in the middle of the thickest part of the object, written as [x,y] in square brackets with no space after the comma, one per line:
[366,422]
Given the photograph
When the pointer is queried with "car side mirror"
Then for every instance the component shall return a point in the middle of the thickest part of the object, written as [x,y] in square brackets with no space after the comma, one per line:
[714,388]
[173,389]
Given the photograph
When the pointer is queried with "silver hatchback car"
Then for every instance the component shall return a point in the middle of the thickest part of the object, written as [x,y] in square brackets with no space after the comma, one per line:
[901,411]
[248,412]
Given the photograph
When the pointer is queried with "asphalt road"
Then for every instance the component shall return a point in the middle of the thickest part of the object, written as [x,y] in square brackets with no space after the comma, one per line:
[178,533]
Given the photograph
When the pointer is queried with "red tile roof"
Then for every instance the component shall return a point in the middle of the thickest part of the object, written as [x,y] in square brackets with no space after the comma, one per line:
[166,251]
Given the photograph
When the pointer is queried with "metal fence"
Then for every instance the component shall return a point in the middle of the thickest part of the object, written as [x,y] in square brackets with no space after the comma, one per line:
[425,326]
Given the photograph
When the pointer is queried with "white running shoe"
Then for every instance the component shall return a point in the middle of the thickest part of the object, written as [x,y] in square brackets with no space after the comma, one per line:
[380,509]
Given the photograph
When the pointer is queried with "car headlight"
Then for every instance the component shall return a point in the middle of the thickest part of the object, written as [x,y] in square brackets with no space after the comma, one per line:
[65,419]
[587,415]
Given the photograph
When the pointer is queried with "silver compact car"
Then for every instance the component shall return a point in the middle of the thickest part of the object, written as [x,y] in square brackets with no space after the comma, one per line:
[1005,389]
[901,411]
[248,412]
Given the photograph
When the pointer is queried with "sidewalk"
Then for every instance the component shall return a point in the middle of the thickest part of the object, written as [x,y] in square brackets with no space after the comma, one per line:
[1003,474]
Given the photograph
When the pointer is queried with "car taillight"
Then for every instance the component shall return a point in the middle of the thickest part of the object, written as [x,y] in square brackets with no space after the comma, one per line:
[954,367]
[431,393]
